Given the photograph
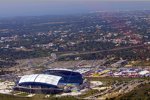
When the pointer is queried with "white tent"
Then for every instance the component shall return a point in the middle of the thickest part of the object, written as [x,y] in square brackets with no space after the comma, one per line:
[143,72]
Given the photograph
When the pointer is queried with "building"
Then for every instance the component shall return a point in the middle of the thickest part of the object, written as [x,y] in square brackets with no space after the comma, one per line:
[51,81]
[68,76]
[39,83]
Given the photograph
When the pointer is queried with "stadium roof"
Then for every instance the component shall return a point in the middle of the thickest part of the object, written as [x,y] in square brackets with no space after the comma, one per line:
[41,78]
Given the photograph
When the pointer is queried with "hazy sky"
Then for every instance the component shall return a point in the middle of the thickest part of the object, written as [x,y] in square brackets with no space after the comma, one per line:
[52,7]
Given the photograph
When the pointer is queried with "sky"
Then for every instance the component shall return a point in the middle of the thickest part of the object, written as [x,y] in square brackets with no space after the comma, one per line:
[11,8]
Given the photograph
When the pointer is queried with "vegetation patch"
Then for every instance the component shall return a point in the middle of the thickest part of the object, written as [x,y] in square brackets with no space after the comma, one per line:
[140,93]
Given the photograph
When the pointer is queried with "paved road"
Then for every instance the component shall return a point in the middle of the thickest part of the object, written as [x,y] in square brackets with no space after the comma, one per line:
[93,52]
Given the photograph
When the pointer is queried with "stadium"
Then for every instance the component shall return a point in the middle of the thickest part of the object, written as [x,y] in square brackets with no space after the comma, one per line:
[51,81]
[68,76]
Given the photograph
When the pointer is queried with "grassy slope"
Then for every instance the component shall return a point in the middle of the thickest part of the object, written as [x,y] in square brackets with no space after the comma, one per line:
[37,97]
[140,93]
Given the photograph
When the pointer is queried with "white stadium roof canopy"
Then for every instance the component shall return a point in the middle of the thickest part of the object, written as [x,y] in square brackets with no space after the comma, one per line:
[40,78]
